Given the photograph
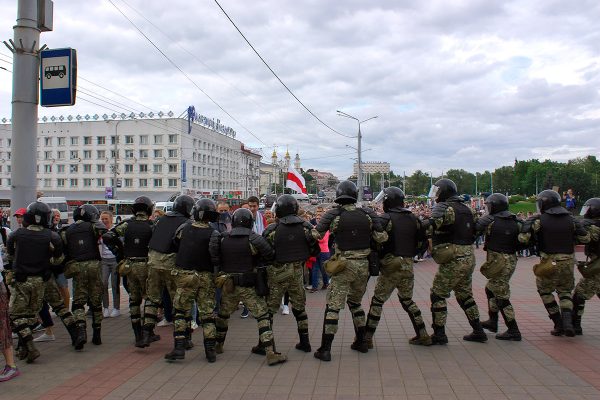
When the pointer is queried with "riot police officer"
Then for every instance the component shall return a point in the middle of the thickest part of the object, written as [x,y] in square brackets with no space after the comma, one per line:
[161,261]
[236,255]
[501,229]
[84,266]
[293,243]
[194,279]
[32,250]
[453,225]
[132,252]
[406,235]
[589,284]
[556,232]
[353,228]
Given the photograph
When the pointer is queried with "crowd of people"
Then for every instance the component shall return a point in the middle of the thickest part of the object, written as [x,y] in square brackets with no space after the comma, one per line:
[197,263]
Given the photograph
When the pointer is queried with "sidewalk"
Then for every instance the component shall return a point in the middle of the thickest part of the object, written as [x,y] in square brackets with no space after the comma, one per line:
[539,367]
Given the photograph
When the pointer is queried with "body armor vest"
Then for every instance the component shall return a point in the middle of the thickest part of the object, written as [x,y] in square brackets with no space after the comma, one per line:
[82,244]
[593,247]
[290,243]
[462,232]
[503,236]
[137,237]
[556,234]
[193,251]
[32,254]
[165,228]
[236,255]
[353,231]
[402,240]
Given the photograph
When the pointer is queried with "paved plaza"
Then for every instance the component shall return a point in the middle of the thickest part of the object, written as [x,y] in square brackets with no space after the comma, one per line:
[539,367]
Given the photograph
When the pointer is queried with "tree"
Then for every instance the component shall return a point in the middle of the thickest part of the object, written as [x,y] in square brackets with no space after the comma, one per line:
[465,181]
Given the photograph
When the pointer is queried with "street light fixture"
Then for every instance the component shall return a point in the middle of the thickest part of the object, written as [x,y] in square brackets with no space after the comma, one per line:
[359,136]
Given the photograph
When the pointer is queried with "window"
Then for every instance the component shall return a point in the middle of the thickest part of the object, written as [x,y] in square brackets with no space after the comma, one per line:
[143,182]
[74,182]
[172,168]
[60,155]
[113,139]
[47,155]
[114,154]
[128,139]
[101,139]
[47,168]
[8,155]
[158,139]
[128,168]
[87,154]
[74,154]
[128,182]
[143,153]
[62,141]
[144,139]
[47,182]
[157,168]
[172,182]
[87,140]
[100,182]
[73,168]
[172,139]
[60,168]
[87,168]
[74,141]
[48,141]
[100,167]
[173,153]
[87,182]
[100,154]
[128,153]
[157,182]
[60,182]
[158,153]
[143,168]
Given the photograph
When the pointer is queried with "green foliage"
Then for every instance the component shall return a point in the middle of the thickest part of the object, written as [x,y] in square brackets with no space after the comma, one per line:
[515,198]
[522,206]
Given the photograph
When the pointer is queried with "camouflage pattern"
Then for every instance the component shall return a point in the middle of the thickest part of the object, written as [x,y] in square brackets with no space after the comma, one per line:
[194,286]
[88,287]
[588,287]
[25,302]
[53,297]
[160,268]
[288,277]
[499,286]
[136,283]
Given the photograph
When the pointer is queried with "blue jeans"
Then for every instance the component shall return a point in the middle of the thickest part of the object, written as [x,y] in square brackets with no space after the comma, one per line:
[318,266]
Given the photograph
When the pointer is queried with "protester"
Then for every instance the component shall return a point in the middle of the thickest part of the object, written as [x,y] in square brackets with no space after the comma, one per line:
[109,273]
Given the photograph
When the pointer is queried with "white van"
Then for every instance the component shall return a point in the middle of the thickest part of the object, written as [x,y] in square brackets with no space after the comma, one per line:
[165,206]
[60,203]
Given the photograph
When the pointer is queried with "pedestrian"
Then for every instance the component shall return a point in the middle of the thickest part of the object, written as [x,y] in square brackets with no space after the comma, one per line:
[109,272]
[570,201]
[10,370]
[19,217]
[318,269]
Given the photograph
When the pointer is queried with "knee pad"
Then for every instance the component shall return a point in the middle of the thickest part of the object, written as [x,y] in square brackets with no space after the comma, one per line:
[353,306]
[489,293]
[466,303]
[298,314]
[435,298]
[222,316]
[77,306]
[375,301]
[405,302]
[502,303]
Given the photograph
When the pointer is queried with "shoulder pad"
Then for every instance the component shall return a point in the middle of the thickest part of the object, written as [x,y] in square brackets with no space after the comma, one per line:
[439,210]
[270,229]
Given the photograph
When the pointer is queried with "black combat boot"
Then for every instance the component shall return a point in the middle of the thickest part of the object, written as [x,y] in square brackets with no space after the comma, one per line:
[512,333]
[148,336]
[578,304]
[259,349]
[32,352]
[369,338]
[492,323]
[178,352]
[304,344]
[21,350]
[96,338]
[188,339]
[567,322]
[81,336]
[72,329]
[137,331]
[478,335]
[558,324]
[323,353]
[439,335]
[209,350]
[360,344]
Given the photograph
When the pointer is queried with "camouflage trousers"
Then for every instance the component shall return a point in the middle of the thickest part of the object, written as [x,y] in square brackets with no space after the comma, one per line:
[26,300]
[347,286]
[160,267]
[257,306]
[193,286]
[497,289]
[562,282]
[88,288]
[400,277]
[288,277]
[136,282]
[53,297]
[457,276]
[586,288]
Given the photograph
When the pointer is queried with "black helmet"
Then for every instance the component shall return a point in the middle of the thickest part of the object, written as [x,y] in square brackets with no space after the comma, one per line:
[346,193]
[443,189]
[591,208]
[143,204]
[38,213]
[496,202]
[392,197]
[87,213]
[286,205]
[242,218]
[205,210]
[183,204]
[546,200]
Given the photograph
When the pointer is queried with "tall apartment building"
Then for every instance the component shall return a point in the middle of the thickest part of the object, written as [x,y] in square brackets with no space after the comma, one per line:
[86,158]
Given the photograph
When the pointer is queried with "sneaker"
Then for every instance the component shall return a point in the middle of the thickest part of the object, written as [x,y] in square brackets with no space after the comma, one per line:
[38,328]
[9,373]
[164,322]
[308,287]
[194,325]
[245,313]
[44,338]
[115,312]
[105,313]
[285,310]
[325,286]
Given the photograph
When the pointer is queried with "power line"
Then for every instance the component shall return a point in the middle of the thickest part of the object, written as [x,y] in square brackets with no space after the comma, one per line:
[276,76]
[182,72]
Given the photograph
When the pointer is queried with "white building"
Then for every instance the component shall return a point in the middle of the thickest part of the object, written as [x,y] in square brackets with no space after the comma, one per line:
[372,167]
[84,158]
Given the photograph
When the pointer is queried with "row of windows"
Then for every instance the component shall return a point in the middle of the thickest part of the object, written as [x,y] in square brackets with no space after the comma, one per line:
[101,154]
[87,168]
[101,182]
[101,140]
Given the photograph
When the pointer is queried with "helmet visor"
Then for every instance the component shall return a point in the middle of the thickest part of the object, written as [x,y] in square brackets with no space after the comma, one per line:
[584,210]
[538,206]
[380,197]
[434,192]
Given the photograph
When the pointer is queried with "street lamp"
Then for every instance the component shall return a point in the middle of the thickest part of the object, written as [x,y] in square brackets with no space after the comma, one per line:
[359,136]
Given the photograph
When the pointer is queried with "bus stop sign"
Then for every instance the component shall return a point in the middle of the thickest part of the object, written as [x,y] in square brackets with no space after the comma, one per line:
[58,77]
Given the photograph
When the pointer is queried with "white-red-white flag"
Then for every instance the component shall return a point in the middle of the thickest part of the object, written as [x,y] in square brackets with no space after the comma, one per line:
[295,181]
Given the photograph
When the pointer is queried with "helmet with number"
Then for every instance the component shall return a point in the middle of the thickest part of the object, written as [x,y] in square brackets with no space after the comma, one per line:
[495,203]
[591,208]
[242,218]
[87,213]
[286,205]
[546,200]
[38,213]
[183,204]
[392,197]
[346,193]
[143,204]
[205,210]
[443,189]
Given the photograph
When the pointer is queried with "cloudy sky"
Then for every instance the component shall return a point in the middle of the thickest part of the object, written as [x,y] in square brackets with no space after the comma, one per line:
[455,84]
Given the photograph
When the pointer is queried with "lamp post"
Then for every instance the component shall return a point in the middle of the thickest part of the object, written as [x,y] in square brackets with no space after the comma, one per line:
[359,177]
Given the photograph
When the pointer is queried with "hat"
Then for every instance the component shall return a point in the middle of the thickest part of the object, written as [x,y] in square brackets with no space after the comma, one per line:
[20,212]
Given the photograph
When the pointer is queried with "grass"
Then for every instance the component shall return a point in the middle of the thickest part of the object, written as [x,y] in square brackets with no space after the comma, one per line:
[522,206]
